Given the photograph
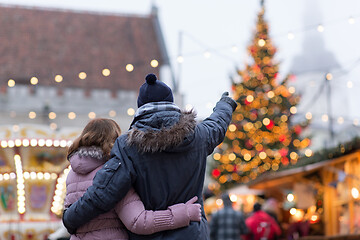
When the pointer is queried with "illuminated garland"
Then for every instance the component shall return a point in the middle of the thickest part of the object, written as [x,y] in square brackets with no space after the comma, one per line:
[82,75]
[21,176]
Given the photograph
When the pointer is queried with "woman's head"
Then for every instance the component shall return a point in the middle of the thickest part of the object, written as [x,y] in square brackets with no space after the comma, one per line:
[100,132]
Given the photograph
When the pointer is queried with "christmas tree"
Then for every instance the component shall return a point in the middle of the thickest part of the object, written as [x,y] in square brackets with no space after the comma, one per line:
[261,136]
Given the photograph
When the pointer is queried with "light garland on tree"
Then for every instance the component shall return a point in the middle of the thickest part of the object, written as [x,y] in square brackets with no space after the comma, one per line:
[260,137]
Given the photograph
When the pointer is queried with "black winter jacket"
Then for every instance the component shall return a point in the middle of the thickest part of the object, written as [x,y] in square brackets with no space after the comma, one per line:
[163,156]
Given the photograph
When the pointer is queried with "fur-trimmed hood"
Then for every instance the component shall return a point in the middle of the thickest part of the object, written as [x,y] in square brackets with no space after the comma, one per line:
[158,139]
[86,159]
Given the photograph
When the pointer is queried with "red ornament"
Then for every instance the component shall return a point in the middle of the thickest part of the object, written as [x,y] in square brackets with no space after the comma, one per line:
[256,68]
[298,129]
[252,49]
[248,144]
[276,75]
[285,161]
[270,125]
[216,173]
[283,152]
[282,138]
[293,78]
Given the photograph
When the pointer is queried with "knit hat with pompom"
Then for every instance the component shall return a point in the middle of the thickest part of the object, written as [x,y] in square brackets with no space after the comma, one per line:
[154,90]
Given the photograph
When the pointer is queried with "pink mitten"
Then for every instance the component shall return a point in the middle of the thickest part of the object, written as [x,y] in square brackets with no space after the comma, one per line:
[193,209]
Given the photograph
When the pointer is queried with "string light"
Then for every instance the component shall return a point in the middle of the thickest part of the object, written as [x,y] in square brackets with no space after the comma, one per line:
[92,115]
[112,113]
[106,72]
[52,115]
[320,28]
[293,211]
[82,75]
[34,80]
[41,142]
[290,197]
[20,184]
[129,67]
[324,118]
[25,142]
[71,115]
[32,115]
[233,198]
[53,126]
[131,112]
[58,78]
[249,98]
[261,42]
[232,128]
[270,94]
[329,76]
[355,193]
[11,83]
[340,120]
[16,128]
[292,90]
[349,84]
[293,110]
[154,63]
[58,199]
[180,59]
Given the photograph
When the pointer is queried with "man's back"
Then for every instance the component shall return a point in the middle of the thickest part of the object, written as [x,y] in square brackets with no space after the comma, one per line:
[160,174]
[227,224]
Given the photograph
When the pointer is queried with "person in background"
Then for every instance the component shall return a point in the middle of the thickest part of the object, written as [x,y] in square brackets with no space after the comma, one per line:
[271,207]
[261,225]
[162,156]
[87,155]
[227,223]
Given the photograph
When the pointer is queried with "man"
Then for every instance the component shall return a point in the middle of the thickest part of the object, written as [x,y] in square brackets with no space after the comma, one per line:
[227,224]
[261,225]
[162,156]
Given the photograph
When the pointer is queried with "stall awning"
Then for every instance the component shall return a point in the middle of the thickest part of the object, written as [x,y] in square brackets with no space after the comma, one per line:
[286,178]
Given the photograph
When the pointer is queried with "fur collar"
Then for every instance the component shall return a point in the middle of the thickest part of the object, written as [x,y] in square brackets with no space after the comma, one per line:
[92,151]
[157,141]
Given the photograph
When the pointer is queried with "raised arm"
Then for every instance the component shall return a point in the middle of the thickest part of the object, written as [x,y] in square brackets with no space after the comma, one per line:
[110,185]
[136,219]
[216,124]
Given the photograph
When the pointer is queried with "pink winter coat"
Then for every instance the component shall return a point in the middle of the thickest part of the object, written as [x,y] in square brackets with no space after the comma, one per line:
[129,211]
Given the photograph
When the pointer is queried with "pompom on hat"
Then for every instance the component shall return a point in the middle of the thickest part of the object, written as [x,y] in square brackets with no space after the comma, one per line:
[154,90]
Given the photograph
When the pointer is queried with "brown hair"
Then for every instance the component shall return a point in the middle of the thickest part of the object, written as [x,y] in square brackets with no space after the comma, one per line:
[100,132]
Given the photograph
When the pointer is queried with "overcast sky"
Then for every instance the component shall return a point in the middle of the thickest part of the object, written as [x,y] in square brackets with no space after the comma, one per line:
[218,26]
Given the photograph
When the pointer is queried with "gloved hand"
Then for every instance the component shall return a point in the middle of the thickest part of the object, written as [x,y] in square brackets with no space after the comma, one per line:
[225,97]
[193,209]
[225,94]
[69,229]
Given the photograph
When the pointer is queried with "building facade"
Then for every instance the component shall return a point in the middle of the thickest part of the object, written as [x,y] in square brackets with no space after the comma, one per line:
[60,69]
